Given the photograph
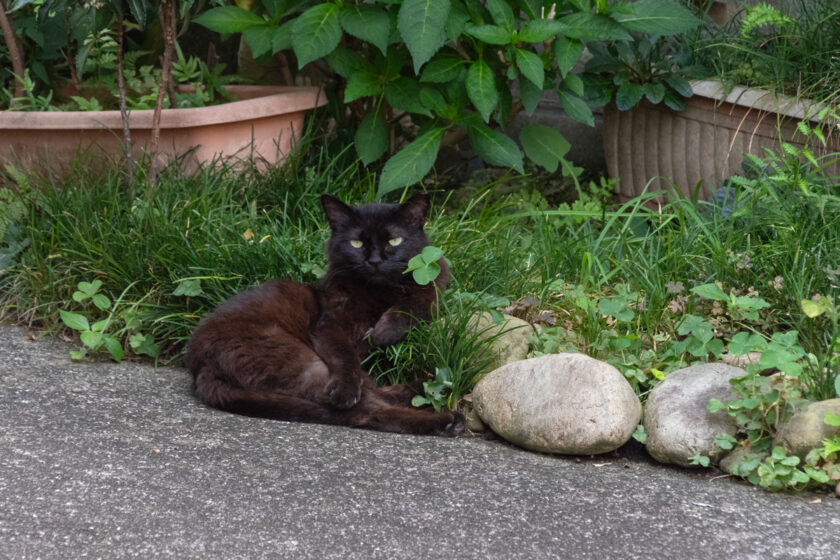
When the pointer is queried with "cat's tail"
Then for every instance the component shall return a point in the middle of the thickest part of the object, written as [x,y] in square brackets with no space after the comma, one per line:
[262,403]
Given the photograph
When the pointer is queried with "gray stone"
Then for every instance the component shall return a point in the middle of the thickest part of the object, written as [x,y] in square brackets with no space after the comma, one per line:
[559,403]
[510,338]
[805,430]
[677,422]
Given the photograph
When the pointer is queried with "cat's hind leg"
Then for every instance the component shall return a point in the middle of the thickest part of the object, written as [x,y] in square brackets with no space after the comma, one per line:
[375,412]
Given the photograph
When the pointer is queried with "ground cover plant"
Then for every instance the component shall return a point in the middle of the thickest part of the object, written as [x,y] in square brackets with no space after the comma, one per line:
[646,290]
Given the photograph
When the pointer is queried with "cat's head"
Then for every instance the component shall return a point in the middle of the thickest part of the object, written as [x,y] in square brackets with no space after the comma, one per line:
[374,242]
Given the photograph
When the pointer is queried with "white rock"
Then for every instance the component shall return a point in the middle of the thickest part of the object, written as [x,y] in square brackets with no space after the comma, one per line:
[806,430]
[559,403]
[678,424]
[509,340]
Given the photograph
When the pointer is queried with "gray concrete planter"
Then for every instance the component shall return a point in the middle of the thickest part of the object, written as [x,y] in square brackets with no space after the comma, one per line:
[703,144]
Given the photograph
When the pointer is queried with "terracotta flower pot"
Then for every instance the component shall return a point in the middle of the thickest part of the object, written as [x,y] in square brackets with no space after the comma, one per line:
[263,123]
[705,143]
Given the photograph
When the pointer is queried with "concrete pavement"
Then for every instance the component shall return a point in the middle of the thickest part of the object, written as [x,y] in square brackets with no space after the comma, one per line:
[104,460]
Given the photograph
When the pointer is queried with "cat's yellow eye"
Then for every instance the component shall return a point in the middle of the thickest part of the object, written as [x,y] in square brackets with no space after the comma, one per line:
[356,243]
[395,241]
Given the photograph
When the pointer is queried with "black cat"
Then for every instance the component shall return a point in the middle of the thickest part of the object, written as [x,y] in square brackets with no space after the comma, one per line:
[292,351]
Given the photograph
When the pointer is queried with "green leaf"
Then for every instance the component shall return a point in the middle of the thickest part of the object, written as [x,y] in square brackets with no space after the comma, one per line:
[367,22]
[229,19]
[530,95]
[260,40]
[79,297]
[433,99]
[101,302]
[575,84]
[420,400]
[495,147]
[576,107]
[422,26]
[189,287]
[656,17]
[410,165]
[316,33]
[710,291]
[539,30]
[491,34]
[427,274]
[404,94]
[501,12]
[627,95]
[143,344]
[101,326]
[680,85]
[567,52]
[361,84]
[837,385]
[442,70]
[114,347]
[281,37]
[832,419]
[531,66]
[78,354]
[593,27]
[90,288]
[91,339]
[371,137]
[74,320]
[654,91]
[481,88]
[345,62]
[809,307]
[544,145]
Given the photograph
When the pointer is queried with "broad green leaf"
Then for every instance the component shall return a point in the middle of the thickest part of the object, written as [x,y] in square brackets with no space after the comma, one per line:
[345,62]
[422,24]
[495,147]
[680,85]
[189,287]
[481,88]
[430,253]
[837,385]
[316,33]
[710,291]
[101,326]
[491,34]
[654,91]
[442,70]
[102,302]
[281,37]
[531,66]
[229,19]
[811,308]
[367,22]
[371,137]
[260,39]
[539,30]
[114,347]
[501,13]
[143,344]
[457,20]
[361,84]
[410,165]
[530,96]
[74,320]
[576,107]
[593,27]
[544,145]
[91,339]
[275,8]
[426,274]
[656,17]
[627,95]
[832,419]
[404,94]
[567,52]
[574,83]
[433,99]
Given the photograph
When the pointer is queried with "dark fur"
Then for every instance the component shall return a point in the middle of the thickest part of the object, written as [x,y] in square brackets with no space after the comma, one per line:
[293,352]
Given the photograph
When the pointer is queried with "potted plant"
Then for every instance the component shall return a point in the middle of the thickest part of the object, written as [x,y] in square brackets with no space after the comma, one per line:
[695,148]
[258,121]
[413,76]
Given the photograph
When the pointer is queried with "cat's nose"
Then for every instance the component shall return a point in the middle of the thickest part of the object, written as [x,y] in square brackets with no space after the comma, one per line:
[374,259]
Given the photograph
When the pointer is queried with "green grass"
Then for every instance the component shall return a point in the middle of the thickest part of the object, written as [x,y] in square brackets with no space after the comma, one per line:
[229,227]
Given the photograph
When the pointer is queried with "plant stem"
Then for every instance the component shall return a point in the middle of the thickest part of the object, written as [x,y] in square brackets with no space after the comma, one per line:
[14,51]
[129,156]
[167,23]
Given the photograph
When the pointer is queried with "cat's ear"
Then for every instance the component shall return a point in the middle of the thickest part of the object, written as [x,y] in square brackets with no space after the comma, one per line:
[339,215]
[413,211]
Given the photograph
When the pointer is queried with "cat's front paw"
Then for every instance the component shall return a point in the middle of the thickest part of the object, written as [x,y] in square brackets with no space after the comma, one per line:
[344,392]
[390,328]
[451,424]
